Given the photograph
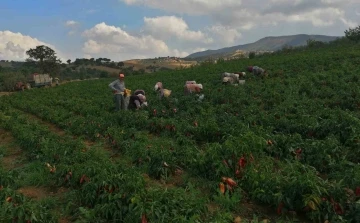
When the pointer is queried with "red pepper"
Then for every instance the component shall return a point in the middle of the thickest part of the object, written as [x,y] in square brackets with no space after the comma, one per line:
[222,188]
[337,208]
[143,219]
[279,208]
[229,181]
[242,162]
[357,191]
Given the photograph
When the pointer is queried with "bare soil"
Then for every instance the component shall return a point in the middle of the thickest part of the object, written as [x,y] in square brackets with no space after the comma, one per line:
[5,93]
[13,154]
[51,126]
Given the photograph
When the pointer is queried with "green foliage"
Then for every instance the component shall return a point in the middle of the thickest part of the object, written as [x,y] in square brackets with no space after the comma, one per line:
[289,141]
[313,43]
[45,59]
[9,79]
[353,34]
[251,55]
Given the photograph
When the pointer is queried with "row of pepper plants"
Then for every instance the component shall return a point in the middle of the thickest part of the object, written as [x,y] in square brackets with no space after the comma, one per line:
[289,129]
[98,189]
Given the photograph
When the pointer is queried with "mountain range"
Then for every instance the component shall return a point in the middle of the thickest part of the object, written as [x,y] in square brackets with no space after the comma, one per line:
[270,43]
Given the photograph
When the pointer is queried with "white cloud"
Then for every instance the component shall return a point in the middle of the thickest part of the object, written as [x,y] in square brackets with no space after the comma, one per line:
[113,42]
[87,56]
[252,14]
[226,35]
[71,23]
[167,27]
[13,46]
[348,23]
[73,26]
[178,53]
[191,7]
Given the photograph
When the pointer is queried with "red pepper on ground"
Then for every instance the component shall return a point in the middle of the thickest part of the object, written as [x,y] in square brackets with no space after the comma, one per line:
[242,162]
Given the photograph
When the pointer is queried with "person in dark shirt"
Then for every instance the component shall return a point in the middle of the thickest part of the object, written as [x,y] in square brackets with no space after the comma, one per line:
[137,101]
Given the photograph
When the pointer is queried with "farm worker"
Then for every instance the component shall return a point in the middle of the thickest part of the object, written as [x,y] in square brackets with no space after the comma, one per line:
[230,77]
[257,70]
[190,88]
[226,74]
[137,102]
[118,87]
[162,92]
[158,86]
[229,80]
[241,74]
[137,92]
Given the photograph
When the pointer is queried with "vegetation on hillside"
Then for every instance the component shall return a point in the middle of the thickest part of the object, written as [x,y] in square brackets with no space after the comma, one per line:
[288,142]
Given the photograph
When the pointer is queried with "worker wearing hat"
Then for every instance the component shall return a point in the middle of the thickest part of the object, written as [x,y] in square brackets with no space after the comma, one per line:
[190,88]
[137,101]
[118,87]
[258,71]
[161,91]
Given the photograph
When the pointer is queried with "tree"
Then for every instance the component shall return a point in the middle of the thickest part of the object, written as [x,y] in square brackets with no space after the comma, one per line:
[106,60]
[121,64]
[45,58]
[353,34]
[68,61]
[251,55]
[41,53]
[313,43]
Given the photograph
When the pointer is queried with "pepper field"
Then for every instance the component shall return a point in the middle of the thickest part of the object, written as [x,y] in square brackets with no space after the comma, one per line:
[285,148]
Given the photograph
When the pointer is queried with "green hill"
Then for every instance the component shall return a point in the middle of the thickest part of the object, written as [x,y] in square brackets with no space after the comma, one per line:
[271,43]
[289,143]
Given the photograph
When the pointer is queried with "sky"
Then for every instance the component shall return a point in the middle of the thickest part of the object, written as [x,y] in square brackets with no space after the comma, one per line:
[138,29]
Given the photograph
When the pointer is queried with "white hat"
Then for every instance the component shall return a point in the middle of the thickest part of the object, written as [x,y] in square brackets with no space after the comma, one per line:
[200,86]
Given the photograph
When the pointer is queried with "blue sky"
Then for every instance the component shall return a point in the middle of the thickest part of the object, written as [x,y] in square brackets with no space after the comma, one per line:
[127,29]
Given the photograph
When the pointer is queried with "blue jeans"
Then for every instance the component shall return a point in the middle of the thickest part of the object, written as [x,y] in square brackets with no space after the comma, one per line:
[119,102]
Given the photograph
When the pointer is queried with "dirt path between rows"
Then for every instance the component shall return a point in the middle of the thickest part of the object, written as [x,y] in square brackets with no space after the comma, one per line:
[6,93]
[12,157]
[12,154]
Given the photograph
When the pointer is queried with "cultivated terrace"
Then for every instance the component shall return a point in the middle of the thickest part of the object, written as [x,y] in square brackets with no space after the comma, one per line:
[284,148]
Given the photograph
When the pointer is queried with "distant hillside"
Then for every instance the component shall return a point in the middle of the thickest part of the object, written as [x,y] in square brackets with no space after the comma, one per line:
[112,68]
[271,43]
